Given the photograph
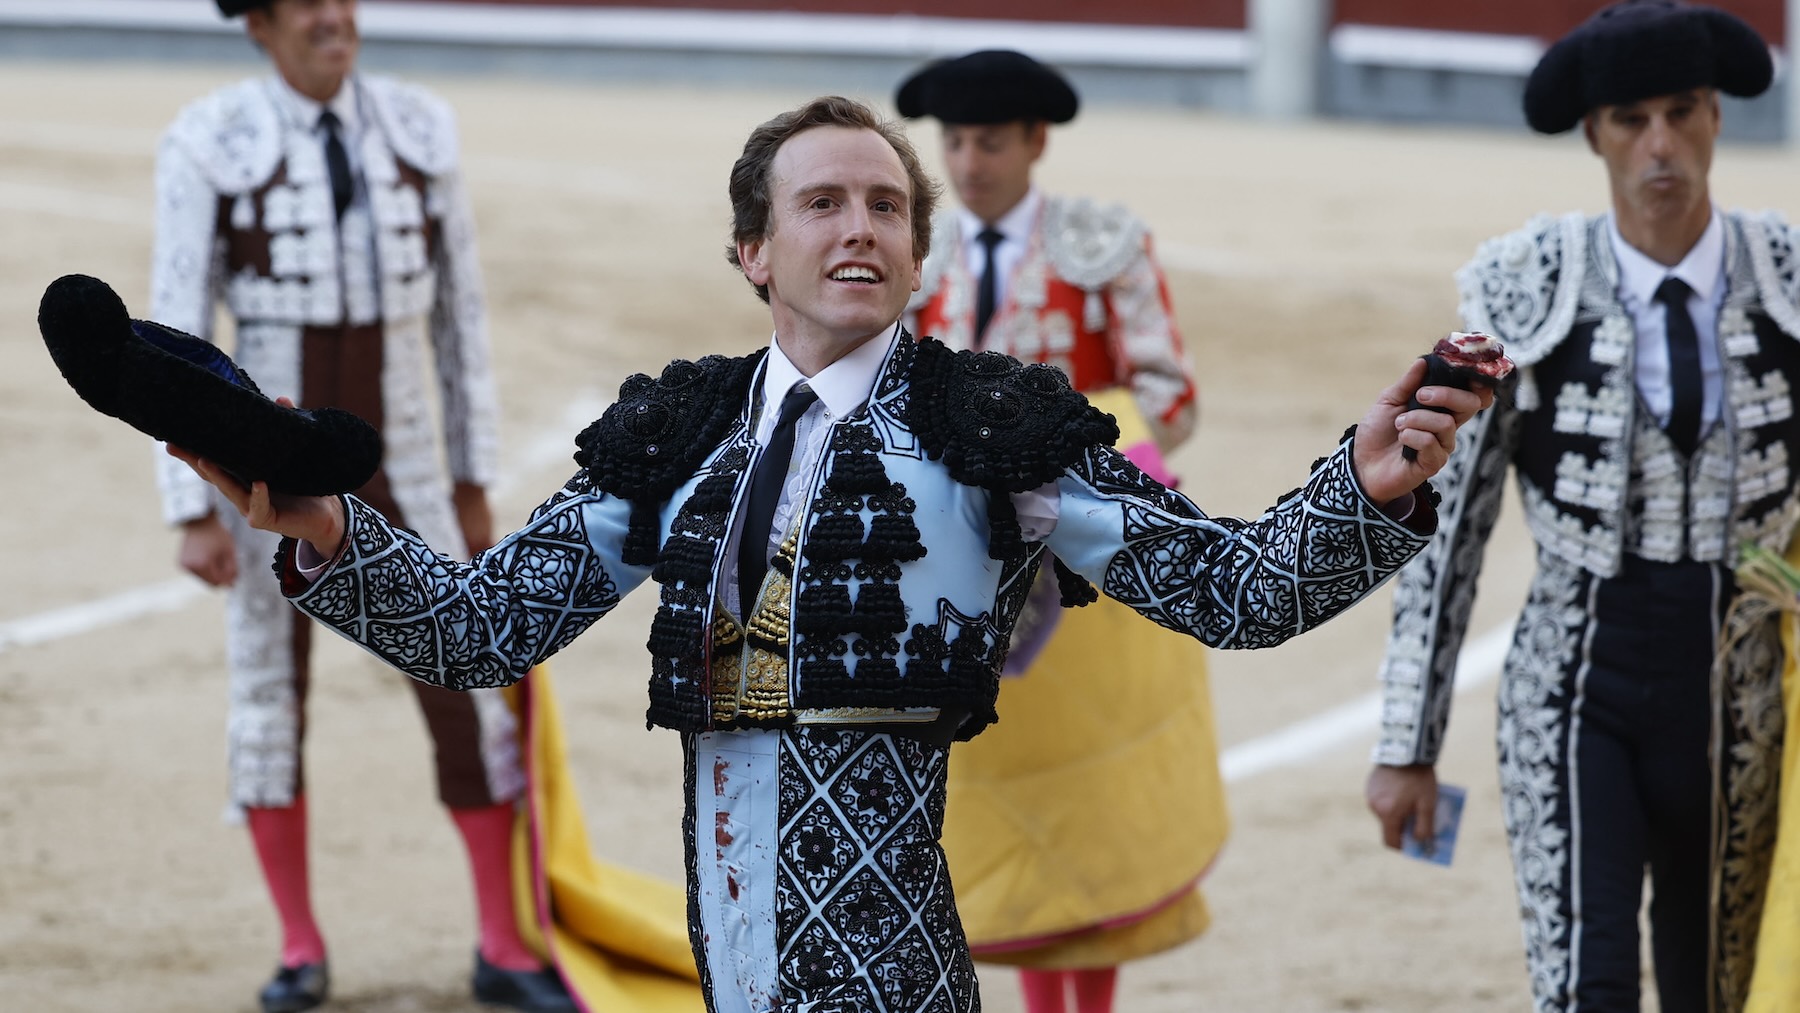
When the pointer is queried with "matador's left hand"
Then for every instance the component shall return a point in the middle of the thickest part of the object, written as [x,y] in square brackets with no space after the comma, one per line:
[1389,428]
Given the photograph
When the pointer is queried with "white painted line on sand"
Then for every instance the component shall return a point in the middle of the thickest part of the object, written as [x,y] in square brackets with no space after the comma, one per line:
[553,446]
[537,452]
[1478,663]
[88,616]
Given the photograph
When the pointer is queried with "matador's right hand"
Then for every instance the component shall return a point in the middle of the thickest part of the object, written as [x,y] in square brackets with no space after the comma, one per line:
[315,519]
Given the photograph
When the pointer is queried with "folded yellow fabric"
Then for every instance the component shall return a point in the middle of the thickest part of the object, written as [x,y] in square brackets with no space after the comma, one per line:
[1775,985]
[619,937]
[1078,826]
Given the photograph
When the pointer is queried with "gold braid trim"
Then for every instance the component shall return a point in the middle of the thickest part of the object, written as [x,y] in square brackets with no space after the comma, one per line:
[1746,758]
[750,680]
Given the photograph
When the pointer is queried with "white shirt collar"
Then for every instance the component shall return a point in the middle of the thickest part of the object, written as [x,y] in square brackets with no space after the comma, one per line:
[842,386]
[306,111]
[1015,225]
[1703,269]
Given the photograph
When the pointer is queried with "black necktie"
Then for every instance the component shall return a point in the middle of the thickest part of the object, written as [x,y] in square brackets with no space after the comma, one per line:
[1684,364]
[337,162]
[765,492]
[984,294]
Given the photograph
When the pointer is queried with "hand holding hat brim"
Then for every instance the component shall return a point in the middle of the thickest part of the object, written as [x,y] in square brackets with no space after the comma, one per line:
[186,392]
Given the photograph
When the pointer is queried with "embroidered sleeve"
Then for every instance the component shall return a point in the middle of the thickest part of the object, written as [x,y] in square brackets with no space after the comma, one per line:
[1435,594]
[460,339]
[1228,582]
[481,623]
[1141,329]
[186,273]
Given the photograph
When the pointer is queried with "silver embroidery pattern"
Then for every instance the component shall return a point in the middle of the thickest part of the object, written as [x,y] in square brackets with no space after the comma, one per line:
[1531,735]
[436,621]
[1523,287]
[1308,558]
[1089,245]
[1436,591]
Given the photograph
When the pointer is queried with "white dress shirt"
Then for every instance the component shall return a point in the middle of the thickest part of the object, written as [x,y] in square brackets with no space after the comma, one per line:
[1015,228]
[349,114]
[843,387]
[1703,269]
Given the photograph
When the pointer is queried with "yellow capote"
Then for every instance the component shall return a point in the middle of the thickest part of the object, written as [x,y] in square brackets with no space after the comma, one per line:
[619,937]
[1775,985]
[1079,825]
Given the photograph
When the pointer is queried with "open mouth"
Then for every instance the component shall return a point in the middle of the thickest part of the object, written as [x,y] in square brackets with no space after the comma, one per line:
[856,275]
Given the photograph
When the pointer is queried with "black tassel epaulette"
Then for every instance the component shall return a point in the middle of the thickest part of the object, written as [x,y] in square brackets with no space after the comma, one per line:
[998,424]
[1076,591]
[657,434]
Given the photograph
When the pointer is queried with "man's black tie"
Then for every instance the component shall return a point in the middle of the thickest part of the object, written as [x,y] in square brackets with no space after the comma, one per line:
[1684,365]
[765,492]
[337,162]
[984,294]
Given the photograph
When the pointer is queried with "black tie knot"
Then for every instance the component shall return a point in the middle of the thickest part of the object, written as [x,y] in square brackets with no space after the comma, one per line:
[1673,292]
[991,238]
[337,162]
[795,405]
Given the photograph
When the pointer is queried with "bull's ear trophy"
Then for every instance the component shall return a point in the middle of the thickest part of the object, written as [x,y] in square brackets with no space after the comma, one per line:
[186,392]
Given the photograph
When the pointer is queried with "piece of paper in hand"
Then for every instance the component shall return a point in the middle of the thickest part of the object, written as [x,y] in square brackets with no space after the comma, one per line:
[1448,820]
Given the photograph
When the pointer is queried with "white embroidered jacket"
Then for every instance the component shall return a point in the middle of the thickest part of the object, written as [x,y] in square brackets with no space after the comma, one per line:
[244,213]
[1598,477]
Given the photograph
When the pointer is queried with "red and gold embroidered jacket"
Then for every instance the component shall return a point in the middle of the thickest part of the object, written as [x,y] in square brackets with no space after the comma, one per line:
[1086,297]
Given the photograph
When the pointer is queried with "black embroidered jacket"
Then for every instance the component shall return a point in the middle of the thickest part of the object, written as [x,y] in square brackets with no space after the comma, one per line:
[908,569]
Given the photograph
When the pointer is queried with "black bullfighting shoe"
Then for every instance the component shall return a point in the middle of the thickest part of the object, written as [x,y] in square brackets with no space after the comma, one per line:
[186,392]
[294,989]
[540,991]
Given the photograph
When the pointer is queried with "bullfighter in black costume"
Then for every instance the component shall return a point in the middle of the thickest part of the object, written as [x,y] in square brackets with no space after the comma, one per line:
[892,501]
[1653,432]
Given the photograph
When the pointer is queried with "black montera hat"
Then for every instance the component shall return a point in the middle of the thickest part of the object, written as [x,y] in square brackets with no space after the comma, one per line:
[1639,49]
[186,392]
[232,8]
[992,86]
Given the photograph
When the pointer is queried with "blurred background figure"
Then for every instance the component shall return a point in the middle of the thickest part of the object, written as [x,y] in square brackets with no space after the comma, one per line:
[1079,826]
[326,210]
[1652,432]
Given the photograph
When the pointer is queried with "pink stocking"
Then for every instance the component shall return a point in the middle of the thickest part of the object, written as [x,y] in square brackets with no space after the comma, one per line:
[280,839]
[487,832]
[1043,990]
[1094,989]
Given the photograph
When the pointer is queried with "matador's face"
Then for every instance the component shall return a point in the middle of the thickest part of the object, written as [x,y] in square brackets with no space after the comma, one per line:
[838,259]
[1658,152]
[990,164]
[313,43]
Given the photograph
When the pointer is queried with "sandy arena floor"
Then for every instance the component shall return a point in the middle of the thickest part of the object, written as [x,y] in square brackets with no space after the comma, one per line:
[1307,263]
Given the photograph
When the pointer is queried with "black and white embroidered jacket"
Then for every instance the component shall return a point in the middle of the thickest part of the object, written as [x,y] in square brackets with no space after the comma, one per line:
[1597,475]
[910,570]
